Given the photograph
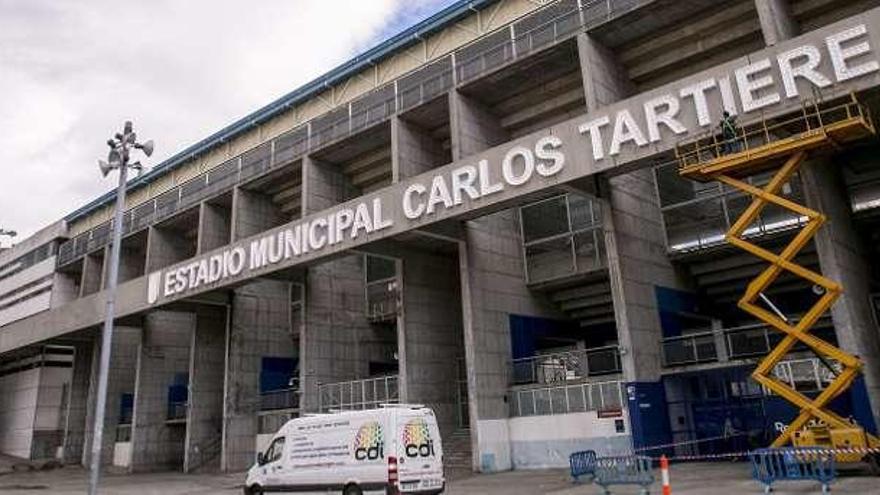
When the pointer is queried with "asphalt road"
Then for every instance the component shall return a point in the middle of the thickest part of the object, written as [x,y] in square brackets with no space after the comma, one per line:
[687,479]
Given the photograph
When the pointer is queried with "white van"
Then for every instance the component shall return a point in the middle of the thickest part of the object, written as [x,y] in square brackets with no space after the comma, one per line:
[392,450]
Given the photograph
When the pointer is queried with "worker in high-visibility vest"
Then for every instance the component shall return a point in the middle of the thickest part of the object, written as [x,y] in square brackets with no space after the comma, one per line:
[728,134]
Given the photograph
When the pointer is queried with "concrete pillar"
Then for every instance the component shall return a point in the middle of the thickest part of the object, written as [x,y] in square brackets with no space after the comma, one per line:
[132,262]
[429,333]
[720,341]
[215,228]
[605,80]
[413,150]
[204,424]
[121,380]
[252,213]
[634,238]
[335,308]
[473,127]
[165,247]
[92,273]
[324,185]
[260,327]
[492,288]
[75,419]
[163,355]
[777,23]
[335,326]
[843,258]
[637,264]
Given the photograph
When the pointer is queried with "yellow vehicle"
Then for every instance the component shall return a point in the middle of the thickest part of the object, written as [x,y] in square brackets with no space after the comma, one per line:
[781,147]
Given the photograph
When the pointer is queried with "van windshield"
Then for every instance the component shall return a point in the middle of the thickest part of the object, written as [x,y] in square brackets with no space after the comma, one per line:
[273,453]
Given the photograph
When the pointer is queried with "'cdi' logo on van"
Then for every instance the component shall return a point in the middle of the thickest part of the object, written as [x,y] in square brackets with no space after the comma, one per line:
[368,443]
[416,439]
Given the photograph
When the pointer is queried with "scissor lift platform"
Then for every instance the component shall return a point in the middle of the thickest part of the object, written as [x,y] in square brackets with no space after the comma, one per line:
[782,147]
[763,146]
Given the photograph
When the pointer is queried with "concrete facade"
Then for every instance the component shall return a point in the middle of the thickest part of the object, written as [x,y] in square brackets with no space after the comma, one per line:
[460,278]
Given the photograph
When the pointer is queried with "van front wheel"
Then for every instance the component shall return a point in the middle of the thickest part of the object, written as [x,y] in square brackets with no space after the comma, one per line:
[352,490]
[253,490]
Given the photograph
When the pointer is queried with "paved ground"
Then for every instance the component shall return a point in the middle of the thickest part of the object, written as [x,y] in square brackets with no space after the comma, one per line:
[689,479]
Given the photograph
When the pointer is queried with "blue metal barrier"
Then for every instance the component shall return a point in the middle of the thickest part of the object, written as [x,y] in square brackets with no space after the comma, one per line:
[793,463]
[583,464]
[624,470]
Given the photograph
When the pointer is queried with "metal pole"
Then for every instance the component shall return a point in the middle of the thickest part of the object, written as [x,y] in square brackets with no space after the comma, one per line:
[107,333]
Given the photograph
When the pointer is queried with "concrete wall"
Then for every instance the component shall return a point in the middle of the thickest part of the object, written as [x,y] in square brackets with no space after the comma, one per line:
[17,411]
[49,418]
[541,442]
[162,354]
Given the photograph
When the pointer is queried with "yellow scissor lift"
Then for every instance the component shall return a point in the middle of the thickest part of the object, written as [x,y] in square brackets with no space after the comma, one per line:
[781,147]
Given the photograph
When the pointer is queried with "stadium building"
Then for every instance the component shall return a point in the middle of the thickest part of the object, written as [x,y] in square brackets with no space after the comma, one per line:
[482,214]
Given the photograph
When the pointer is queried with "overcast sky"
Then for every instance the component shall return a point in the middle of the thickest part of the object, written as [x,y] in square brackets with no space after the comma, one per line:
[71,71]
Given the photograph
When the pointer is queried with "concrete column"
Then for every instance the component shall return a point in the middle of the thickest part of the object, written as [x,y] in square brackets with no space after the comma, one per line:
[492,288]
[843,258]
[335,327]
[720,341]
[324,185]
[777,23]
[634,238]
[430,337]
[204,424]
[473,127]
[215,228]
[637,264]
[162,355]
[132,262]
[75,421]
[605,80]
[165,247]
[121,380]
[335,308]
[92,273]
[413,150]
[252,213]
[260,327]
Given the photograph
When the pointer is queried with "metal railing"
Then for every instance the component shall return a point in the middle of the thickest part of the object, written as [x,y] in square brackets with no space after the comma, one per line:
[369,393]
[583,397]
[806,375]
[815,115]
[286,398]
[701,221]
[566,366]
[759,339]
[407,91]
[689,349]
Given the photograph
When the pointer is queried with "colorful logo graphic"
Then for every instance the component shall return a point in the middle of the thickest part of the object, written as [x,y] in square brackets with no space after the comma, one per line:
[368,444]
[416,439]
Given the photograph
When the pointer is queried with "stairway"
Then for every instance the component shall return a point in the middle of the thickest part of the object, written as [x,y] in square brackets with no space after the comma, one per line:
[457,453]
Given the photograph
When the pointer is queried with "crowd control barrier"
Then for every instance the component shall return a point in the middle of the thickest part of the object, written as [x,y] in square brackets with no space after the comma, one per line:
[583,464]
[793,463]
